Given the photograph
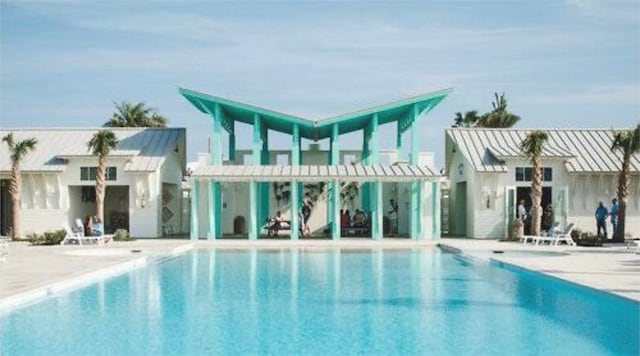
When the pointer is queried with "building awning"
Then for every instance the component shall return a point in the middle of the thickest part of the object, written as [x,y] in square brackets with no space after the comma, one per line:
[315,173]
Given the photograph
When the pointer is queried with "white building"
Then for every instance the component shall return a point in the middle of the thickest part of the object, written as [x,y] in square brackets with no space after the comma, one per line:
[488,175]
[144,175]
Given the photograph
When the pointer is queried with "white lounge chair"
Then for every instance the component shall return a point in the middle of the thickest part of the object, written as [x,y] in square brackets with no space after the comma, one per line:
[72,234]
[559,236]
[554,229]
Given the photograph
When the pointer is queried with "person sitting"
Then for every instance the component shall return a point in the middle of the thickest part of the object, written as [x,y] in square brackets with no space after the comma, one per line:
[359,219]
[97,227]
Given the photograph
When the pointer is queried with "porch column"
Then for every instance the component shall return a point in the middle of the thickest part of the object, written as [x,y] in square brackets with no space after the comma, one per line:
[335,203]
[195,203]
[256,144]
[416,215]
[211,211]
[435,210]
[374,155]
[376,211]
[295,221]
[253,211]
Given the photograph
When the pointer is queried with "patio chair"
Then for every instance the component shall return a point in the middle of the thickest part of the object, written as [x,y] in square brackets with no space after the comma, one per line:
[559,236]
[554,229]
[72,234]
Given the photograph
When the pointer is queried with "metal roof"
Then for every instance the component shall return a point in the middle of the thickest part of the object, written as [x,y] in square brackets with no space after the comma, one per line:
[318,129]
[583,150]
[315,173]
[145,148]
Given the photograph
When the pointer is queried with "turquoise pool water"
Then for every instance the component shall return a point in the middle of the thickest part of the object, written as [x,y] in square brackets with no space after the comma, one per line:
[325,303]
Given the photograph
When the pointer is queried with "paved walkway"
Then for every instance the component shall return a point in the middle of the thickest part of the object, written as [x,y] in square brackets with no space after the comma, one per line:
[614,269]
[39,269]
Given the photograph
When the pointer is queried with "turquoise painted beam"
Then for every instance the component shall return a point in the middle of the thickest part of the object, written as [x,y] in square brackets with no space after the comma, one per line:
[212,220]
[253,211]
[295,218]
[334,150]
[435,210]
[377,211]
[195,204]
[232,142]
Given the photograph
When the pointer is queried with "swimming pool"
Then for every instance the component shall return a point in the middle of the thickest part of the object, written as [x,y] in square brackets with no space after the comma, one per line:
[324,302]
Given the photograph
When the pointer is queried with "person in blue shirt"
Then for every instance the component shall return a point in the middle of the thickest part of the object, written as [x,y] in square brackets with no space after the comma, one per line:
[614,215]
[601,219]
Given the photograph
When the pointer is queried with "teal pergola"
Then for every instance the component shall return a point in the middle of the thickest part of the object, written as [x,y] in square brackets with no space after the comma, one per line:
[224,113]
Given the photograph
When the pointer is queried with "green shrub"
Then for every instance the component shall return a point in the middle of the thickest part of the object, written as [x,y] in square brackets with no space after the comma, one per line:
[121,235]
[48,238]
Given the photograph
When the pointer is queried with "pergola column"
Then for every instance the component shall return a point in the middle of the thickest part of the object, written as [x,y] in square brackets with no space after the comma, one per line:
[256,147]
[416,187]
[294,199]
[264,186]
[333,206]
[232,142]
[214,191]
[399,148]
[195,204]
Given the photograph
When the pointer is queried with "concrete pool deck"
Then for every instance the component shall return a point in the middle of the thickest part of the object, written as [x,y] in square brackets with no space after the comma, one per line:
[31,271]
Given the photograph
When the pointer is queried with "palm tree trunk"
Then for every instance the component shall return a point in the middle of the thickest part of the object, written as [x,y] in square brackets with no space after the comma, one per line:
[623,193]
[15,186]
[536,197]
[100,187]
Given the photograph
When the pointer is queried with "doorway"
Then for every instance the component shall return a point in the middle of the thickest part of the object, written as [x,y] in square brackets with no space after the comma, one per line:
[5,207]
[524,193]
[82,200]
[458,218]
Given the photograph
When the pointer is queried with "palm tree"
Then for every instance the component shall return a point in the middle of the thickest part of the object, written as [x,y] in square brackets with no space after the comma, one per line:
[127,114]
[469,119]
[101,145]
[627,142]
[499,117]
[18,151]
[532,146]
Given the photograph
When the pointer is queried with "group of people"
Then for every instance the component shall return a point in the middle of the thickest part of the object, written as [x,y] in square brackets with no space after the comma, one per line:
[362,220]
[601,217]
[524,215]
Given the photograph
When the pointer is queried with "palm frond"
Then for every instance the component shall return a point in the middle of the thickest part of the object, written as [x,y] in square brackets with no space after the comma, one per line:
[102,143]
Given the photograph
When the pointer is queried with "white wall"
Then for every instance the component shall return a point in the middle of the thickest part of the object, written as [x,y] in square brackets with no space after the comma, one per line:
[585,191]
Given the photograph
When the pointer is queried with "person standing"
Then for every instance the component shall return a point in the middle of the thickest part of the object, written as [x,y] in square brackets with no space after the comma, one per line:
[522,211]
[614,217]
[306,213]
[601,218]
[393,217]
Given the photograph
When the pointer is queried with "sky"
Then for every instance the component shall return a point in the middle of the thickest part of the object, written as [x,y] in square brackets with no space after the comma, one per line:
[560,63]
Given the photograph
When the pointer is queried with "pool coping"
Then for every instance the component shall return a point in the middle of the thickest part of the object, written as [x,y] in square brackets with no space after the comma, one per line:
[30,296]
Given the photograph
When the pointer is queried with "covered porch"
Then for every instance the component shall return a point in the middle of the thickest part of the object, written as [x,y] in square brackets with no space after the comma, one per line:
[416,189]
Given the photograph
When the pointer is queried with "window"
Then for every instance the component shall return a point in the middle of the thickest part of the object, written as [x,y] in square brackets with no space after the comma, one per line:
[525,174]
[89,173]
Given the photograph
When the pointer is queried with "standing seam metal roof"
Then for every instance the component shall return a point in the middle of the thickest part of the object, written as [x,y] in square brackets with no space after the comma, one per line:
[314,173]
[584,150]
[145,148]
